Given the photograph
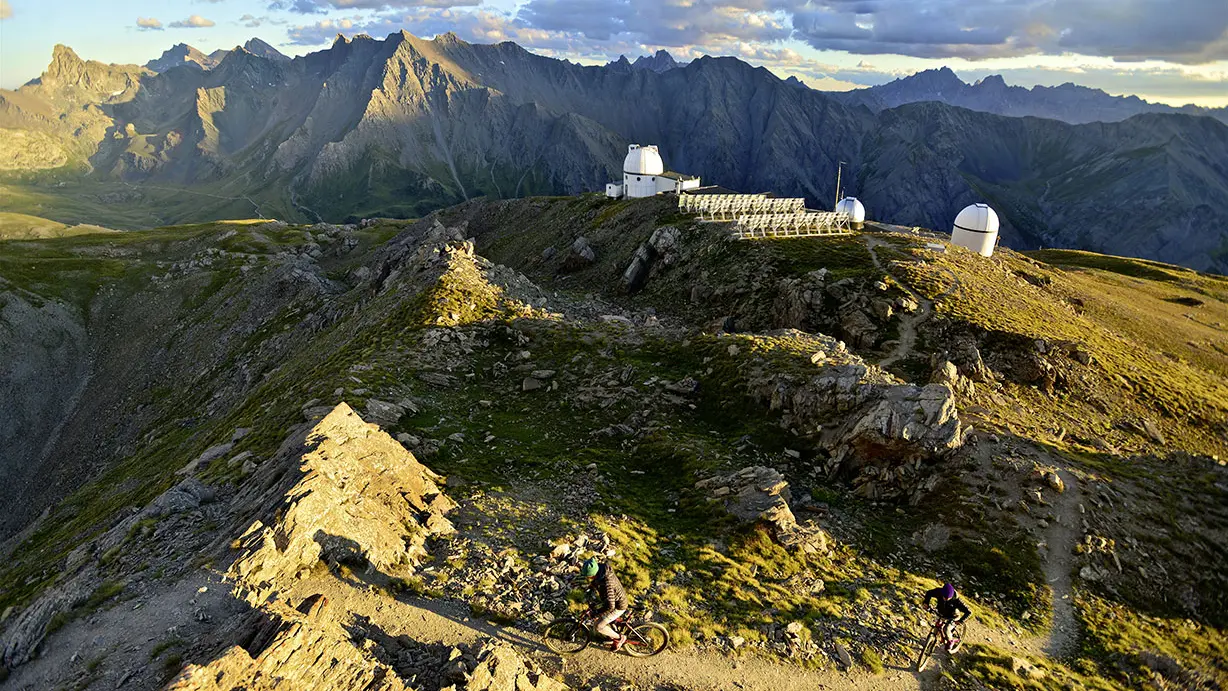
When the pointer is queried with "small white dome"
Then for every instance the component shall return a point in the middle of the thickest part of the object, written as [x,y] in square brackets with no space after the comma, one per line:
[978,218]
[643,160]
[855,209]
[976,227]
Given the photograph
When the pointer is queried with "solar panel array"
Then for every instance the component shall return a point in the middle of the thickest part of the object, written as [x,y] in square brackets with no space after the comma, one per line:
[757,216]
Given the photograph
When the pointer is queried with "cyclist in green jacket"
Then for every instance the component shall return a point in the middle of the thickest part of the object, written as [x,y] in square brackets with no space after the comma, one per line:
[611,599]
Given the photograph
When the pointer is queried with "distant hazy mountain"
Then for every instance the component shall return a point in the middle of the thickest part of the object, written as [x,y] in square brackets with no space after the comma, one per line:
[405,125]
[183,54]
[1068,102]
[659,62]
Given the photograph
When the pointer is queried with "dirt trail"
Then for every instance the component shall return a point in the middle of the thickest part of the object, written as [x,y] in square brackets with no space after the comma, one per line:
[433,621]
[910,322]
[1060,538]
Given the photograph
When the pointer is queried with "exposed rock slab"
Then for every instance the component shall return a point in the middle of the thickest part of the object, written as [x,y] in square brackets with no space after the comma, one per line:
[351,492]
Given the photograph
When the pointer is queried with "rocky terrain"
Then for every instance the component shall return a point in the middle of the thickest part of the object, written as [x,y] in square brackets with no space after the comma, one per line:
[374,455]
[404,126]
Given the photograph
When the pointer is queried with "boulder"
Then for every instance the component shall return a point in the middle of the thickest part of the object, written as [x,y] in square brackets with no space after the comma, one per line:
[636,273]
[947,373]
[206,457]
[1025,669]
[499,667]
[383,413]
[581,255]
[666,242]
[859,329]
[1055,482]
[1153,431]
[185,496]
[752,495]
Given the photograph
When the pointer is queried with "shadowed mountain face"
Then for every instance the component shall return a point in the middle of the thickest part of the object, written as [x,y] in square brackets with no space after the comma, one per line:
[402,126]
[1067,102]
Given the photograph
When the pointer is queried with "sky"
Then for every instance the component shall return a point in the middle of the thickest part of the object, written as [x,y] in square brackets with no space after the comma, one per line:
[1170,51]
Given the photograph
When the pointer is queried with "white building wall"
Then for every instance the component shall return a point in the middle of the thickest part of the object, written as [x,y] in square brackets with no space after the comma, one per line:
[639,185]
[613,190]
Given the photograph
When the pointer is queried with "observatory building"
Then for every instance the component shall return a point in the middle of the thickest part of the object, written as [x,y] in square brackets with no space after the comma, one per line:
[855,209]
[644,175]
[976,227]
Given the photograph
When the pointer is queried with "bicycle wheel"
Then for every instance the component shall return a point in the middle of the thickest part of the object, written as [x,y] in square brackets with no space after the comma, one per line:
[565,637]
[926,651]
[646,640]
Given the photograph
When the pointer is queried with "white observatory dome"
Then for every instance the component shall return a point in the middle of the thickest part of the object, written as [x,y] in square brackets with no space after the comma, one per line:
[855,209]
[976,227]
[643,160]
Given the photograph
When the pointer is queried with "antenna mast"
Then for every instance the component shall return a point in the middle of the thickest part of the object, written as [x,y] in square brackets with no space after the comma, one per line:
[840,165]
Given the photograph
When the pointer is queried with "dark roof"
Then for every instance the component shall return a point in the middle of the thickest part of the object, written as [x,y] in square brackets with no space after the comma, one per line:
[710,189]
[676,176]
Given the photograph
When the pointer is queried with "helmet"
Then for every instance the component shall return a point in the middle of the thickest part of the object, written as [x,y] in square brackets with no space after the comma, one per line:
[948,591]
[589,569]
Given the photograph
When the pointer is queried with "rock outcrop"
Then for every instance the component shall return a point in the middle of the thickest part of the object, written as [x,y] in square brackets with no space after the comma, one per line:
[759,494]
[288,649]
[340,491]
[752,495]
[879,431]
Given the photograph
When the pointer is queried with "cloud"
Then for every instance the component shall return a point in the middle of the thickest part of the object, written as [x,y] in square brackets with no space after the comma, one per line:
[674,23]
[194,22]
[324,6]
[148,24]
[6,10]
[1183,31]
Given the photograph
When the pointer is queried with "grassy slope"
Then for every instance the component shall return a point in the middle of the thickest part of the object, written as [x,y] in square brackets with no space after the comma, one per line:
[708,578]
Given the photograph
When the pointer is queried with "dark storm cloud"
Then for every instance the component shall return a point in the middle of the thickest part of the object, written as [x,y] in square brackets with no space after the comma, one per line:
[1191,31]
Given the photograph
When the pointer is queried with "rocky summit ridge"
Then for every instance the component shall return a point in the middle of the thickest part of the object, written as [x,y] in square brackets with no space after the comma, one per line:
[373,455]
[403,126]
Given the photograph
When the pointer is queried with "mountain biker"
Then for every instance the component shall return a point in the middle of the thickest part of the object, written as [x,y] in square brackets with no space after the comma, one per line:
[610,598]
[950,608]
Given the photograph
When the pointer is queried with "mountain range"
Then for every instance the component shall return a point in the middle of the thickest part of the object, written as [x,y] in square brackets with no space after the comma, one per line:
[402,126]
[1067,102]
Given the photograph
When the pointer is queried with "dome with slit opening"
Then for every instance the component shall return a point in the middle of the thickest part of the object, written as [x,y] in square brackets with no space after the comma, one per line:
[643,160]
[976,227]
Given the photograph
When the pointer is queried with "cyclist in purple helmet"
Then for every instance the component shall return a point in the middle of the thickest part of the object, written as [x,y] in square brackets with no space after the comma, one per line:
[950,608]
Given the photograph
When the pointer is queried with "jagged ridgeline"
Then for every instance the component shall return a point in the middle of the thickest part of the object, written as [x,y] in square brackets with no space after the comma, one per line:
[240,454]
[403,126]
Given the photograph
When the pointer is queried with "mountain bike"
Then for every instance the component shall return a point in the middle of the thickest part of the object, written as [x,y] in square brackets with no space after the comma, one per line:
[938,635]
[571,634]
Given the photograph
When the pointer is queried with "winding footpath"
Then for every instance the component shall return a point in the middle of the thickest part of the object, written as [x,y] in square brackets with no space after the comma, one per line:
[908,323]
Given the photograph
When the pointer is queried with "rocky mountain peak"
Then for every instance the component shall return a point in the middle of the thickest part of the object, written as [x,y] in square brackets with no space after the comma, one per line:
[993,81]
[937,80]
[64,62]
[661,61]
[257,47]
[184,54]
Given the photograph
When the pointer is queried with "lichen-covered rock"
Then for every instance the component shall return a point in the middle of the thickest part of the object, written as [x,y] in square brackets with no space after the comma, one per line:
[752,495]
[348,494]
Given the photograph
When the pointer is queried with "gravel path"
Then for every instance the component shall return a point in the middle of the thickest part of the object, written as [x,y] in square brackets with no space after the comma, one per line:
[448,623]
[1061,537]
